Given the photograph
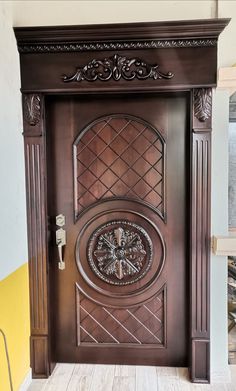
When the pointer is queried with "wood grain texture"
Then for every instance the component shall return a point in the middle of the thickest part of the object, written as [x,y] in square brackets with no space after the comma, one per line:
[197,40]
[33,115]
[51,51]
[103,378]
[116,321]
[146,379]
[200,243]
[128,382]
[123,383]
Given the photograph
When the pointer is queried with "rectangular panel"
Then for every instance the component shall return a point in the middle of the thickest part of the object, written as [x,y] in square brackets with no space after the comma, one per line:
[200,361]
[136,326]
[200,234]
[39,356]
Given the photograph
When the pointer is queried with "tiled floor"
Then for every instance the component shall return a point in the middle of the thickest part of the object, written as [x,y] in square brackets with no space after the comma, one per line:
[83,377]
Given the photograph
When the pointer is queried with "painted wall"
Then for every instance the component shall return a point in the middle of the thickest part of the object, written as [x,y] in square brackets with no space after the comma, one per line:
[14,321]
[14,298]
[32,13]
[13,251]
[232,175]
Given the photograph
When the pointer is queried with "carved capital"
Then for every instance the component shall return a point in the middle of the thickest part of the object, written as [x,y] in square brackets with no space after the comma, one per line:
[117,67]
[202,104]
[31,109]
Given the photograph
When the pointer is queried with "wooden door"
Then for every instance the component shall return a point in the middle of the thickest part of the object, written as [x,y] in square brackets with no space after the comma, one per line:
[117,171]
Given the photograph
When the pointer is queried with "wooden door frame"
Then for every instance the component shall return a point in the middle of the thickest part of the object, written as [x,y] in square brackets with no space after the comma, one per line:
[44,50]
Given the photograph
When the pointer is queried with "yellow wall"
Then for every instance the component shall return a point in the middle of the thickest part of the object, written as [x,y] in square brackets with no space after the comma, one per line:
[14,321]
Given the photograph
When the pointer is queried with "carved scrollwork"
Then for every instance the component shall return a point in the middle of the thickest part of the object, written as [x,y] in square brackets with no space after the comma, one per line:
[117,67]
[120,252]
[31,108]
[97,46]
[202,103]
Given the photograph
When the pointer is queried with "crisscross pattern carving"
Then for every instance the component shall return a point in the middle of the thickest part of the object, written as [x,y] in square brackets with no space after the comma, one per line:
[119,157]
[140,325]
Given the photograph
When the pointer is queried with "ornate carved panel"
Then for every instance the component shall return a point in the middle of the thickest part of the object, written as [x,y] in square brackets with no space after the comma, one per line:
[117,67]
[120,252]
[119,156]
[31,108]
[97,46]
[140,325]
[202,103]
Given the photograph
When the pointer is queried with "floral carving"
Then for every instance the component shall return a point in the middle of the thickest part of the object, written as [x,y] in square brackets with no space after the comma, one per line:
[202,103]
[117,67]
[31,107]
[118,251]
[101,45]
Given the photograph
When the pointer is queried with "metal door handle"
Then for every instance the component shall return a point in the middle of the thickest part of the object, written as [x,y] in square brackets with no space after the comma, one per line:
[60,240]
[61,263]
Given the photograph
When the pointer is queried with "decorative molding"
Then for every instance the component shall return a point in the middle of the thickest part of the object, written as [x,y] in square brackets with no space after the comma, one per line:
[124,325]
[224,245]
[129,157]
[31,108]
[119,250]
[117,67]
[36,232]
[202,103]
[120,45]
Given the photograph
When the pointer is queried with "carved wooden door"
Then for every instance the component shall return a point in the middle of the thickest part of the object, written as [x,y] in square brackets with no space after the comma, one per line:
[117,171]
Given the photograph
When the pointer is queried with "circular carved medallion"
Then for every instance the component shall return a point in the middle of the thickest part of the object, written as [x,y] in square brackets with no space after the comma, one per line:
[120,252]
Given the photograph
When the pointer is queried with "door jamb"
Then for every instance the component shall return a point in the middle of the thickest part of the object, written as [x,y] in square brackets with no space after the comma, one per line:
[199,254]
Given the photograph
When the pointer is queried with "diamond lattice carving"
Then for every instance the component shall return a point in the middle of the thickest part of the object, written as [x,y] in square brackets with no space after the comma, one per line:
[139,325]
[119,156]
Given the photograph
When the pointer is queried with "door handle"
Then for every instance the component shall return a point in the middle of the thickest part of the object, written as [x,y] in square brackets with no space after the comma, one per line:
[60,240]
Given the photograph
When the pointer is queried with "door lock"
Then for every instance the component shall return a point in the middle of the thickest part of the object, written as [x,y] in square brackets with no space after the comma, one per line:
[60,240]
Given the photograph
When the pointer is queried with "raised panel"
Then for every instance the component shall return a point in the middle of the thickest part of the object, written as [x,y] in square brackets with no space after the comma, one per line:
[37,236]
[39,356]
[140,325]
[119,156]
[200,234]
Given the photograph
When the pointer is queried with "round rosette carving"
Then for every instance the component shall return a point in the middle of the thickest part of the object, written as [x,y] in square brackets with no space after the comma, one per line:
[120,252]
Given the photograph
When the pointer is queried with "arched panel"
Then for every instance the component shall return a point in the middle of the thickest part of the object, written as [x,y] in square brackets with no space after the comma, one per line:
[119,156]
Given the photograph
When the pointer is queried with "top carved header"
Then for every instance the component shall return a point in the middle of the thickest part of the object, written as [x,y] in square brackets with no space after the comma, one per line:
[177,34]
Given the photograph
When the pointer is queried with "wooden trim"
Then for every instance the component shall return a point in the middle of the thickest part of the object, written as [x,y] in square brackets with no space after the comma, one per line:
[224,245]
[35,159]
[185,29]
[200,239]
[34,68]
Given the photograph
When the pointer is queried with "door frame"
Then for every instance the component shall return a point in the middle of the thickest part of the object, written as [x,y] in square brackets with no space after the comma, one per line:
[50,51]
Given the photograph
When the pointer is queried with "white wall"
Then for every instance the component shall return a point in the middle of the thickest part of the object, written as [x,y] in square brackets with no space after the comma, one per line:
[26,13]
[31,13]
[13,243]
[219,226]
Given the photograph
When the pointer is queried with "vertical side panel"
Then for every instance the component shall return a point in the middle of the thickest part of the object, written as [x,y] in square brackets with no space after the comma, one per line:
[35,164]
[200,236]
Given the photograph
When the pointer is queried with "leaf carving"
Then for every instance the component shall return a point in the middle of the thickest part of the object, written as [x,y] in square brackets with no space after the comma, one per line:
[31,107]
[202,103]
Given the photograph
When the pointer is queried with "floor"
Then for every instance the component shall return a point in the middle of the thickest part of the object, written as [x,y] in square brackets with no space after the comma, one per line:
[83,377]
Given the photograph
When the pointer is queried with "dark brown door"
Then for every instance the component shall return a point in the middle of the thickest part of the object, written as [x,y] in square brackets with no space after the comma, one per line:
[117,171]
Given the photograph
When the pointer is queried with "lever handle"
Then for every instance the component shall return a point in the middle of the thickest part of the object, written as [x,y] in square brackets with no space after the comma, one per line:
[60,240]
[61,263]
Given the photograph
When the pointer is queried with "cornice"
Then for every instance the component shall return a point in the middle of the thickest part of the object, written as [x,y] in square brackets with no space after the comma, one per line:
[153,35]
[96,46]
